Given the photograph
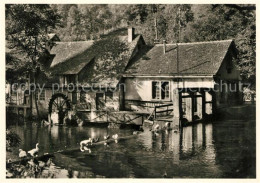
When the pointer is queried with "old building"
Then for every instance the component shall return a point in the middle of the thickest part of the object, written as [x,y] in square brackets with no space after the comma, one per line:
[190,79]
[118,72]
[87,74]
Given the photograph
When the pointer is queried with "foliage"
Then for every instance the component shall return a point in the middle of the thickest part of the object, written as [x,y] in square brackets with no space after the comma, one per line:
[228,22]
[32,168]
[12,140]
[183,23]
[26,32]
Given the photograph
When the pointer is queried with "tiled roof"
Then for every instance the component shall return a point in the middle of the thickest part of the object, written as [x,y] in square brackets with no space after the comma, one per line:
[65,51]
[199,58]
[111,54]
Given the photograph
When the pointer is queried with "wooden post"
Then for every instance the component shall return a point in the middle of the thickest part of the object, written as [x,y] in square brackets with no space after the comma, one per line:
[213,102]
[192,106]
[176,109]
[154,112]
[203,105]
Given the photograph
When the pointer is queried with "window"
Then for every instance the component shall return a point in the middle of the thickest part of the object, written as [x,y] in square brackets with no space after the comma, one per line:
[160,90]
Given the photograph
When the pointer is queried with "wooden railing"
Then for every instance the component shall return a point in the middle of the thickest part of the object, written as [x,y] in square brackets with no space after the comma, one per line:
[154,114]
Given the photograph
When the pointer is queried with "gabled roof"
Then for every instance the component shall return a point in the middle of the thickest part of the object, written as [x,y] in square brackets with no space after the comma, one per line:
[198,58]
[110,55]
[64,51]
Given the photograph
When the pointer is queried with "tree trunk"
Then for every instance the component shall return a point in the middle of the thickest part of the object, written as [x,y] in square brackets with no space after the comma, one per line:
[36,102]
[34,79]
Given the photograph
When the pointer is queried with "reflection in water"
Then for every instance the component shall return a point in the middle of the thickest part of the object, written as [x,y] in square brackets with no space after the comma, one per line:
[201,150]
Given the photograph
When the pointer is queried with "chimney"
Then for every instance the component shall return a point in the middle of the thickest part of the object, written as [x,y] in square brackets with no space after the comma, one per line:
[131,34]
[164,46]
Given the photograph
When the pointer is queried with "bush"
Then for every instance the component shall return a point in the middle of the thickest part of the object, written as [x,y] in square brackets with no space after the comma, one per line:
[12,140]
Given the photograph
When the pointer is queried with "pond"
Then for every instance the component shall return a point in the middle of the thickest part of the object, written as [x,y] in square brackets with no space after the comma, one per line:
[223,149]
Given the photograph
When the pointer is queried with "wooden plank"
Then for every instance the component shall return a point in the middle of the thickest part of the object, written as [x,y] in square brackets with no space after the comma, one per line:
[189,96]
[166,105]
[164,111]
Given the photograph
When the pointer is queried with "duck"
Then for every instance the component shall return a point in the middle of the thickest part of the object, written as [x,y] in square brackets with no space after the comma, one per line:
[115,137]
[34,151]
[85,143]
[106,144]
[22,154]
[106,137]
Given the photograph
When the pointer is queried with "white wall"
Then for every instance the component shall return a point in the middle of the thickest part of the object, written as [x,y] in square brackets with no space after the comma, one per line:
[141,88]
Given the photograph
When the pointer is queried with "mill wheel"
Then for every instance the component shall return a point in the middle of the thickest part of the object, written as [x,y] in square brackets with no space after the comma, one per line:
[61,104]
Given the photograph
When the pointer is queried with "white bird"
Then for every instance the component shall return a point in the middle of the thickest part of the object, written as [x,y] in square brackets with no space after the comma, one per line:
[106,137]
[85,143]
[106,144]
[22,154]
[115,137]
[33,152]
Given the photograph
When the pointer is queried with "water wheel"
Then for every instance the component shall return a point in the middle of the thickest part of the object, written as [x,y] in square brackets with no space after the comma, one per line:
[61,104]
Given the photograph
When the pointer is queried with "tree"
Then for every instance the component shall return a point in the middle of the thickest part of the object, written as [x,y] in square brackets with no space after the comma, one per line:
[230,22]
[26,31]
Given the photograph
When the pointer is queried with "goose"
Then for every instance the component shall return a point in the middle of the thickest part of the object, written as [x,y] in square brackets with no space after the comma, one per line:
[85,143]
[35,151]
[106,137]
[22,154]
[115,137]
